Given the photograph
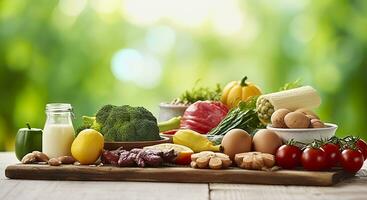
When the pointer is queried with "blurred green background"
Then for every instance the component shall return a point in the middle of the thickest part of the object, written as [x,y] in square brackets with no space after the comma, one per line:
[138,52]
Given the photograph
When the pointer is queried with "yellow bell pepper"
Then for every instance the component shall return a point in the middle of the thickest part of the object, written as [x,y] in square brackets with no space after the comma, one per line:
[237,91]
[194,140]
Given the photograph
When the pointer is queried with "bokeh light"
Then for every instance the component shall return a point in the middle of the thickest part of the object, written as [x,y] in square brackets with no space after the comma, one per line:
[72,7]
[131,65]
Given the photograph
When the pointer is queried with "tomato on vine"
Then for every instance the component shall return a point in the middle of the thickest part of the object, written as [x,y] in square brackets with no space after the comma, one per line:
[362,146]
[313,159]
[288,156]
[351,160]
[332,154]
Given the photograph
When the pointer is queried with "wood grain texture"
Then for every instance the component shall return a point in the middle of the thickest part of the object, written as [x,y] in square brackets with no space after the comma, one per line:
[350,189]
[353,189]
[173,174]
[93,190]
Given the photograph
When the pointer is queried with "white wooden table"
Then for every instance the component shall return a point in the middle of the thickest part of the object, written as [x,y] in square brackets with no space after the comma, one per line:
[355,189]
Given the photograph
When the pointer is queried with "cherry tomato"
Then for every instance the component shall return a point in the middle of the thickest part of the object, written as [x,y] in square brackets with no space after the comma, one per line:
[332,154]
[351,160]
[362,146]
[288,156]
[313,159]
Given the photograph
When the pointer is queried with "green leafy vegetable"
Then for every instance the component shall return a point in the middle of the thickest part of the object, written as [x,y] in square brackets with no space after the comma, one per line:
[243,117]
[291,85]
[199,94]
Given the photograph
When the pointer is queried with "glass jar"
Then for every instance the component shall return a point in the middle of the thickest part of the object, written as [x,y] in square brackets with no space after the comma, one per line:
[58,133]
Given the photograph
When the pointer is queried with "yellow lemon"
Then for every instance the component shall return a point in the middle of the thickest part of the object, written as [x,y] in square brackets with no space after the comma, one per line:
[87,146]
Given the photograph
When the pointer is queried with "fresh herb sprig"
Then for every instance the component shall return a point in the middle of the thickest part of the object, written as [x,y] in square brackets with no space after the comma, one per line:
[199,93]
[291,85]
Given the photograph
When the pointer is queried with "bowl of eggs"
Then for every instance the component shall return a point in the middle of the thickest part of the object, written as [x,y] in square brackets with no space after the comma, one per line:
[301,125]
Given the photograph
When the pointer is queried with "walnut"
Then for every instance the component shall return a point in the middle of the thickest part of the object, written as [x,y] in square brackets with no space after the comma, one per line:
[209,159]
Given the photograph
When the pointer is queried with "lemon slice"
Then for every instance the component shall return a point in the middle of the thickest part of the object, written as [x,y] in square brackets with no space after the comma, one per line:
[183,152]
[168,146]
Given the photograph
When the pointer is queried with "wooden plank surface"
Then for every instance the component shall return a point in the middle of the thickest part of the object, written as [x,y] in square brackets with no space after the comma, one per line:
[94,190]
[173,174]
[351,189]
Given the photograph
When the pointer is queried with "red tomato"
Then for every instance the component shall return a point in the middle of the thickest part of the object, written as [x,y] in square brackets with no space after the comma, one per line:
[362,146]
[288,156]
[332,154]
[351,160]
[313,159]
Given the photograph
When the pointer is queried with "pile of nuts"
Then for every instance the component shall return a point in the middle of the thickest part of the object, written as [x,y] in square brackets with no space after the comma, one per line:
[37,157]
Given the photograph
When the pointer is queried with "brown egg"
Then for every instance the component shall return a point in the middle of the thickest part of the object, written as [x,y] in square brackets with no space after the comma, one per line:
[316,123]
[266,141]
[277,119]
[297,120]
[308,112]
[236,141]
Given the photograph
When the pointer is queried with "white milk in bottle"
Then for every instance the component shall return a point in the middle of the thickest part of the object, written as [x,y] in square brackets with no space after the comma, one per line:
[58,134]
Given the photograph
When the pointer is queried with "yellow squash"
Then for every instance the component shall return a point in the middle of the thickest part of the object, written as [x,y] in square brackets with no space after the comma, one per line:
[195,141]
[237,91]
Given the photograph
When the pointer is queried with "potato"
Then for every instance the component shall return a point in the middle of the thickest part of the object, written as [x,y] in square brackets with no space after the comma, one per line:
[297,120]
[308,112]
[316,123]
[277,119]
[311,117]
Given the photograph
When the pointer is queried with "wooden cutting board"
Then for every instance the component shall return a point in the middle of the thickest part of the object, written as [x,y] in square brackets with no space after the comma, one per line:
[174,174]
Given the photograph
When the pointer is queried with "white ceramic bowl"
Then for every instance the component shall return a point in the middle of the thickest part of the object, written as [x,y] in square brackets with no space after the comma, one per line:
[307,135]
[168,111]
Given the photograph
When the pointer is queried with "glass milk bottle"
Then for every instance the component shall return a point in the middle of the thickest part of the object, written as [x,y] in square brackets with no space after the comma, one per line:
[58,133]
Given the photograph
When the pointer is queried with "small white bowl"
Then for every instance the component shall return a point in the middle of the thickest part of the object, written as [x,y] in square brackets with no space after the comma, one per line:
[168,111]
[306,135]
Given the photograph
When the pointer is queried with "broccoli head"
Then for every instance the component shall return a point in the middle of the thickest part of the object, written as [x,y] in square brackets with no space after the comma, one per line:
[126,123]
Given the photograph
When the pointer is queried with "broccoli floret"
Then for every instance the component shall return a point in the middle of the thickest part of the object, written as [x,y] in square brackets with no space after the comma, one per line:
[145,126]
[110,134]
[126,132]
[142,113]
[104,113]
[126,123]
